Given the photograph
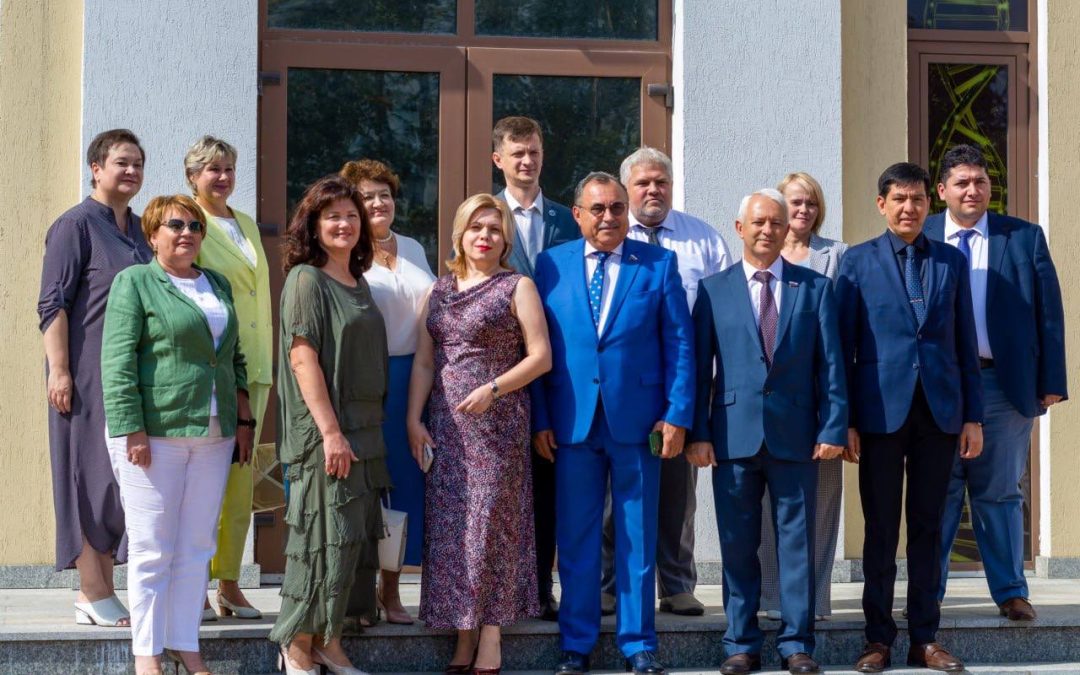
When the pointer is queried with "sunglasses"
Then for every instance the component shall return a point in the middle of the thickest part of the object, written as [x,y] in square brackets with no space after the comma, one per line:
[178,226]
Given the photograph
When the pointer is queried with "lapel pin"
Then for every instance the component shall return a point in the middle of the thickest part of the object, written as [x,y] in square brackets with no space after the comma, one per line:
[551,212]
[633,258]
[793,284]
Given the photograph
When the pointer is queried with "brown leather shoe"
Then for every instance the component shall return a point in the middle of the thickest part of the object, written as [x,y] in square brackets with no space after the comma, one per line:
[1018,609]
[800,663]
[739,664]
[874,658]
[935,657]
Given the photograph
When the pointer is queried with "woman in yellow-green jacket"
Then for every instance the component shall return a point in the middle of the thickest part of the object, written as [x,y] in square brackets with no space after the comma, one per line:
[174,386]
[233,248]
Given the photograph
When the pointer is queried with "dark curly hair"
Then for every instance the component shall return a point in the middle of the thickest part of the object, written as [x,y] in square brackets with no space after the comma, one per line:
[302,245]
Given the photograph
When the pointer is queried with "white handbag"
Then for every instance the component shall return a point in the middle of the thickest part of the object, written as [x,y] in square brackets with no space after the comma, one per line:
[392,544]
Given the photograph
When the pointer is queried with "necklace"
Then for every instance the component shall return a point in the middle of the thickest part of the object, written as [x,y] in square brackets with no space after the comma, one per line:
[389,238]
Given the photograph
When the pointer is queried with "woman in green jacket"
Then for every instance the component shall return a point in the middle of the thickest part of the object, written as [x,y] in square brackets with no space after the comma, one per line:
[233,248]
[176,407]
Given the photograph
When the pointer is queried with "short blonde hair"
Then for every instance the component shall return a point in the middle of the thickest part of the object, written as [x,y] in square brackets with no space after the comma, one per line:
[202,152]
[464,216]
[807,182]
[154,215]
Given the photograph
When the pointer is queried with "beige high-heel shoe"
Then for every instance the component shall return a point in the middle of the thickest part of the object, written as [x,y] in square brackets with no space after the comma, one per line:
[286,666]
[175,657]
[334,668]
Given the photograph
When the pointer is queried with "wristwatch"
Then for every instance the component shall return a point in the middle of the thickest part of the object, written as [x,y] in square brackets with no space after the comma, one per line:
[494,389]
[241,422]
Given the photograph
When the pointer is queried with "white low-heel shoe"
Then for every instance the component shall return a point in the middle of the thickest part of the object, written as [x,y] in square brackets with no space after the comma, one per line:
[286,666]
[107,612]
[208,614]
[225,608]
[333,667]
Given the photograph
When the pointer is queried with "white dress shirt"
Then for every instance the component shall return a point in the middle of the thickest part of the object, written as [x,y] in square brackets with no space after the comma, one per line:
[700,249]
[399,294]
[980,250]
[611,275]
[754,286]
[529,222]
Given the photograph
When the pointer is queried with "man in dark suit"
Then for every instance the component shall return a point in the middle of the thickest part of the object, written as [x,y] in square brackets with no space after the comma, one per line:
[518,151]
[777,402]
[622,367]
[1020,324]
[913,382]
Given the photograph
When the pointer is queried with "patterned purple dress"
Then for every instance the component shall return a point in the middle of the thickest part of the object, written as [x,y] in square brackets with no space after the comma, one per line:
[479,550]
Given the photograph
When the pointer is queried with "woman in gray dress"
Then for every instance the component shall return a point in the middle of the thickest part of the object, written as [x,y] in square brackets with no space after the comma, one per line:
[84,249]
[806,212]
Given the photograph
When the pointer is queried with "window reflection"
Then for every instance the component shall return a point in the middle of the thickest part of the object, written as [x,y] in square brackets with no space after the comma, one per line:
[598,19]
[397,16]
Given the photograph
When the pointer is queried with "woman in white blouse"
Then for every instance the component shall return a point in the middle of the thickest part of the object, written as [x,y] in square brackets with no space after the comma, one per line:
[399,279]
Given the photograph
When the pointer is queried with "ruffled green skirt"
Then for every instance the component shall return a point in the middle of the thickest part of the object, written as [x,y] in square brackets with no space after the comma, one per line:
[334,526]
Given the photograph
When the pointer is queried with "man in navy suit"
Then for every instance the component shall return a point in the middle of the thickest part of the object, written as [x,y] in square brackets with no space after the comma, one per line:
[518,151]
[1020,326]
[777,402]
[912,363]
[622,367]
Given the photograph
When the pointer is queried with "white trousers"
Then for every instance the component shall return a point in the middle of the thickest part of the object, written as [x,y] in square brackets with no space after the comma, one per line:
[172,509]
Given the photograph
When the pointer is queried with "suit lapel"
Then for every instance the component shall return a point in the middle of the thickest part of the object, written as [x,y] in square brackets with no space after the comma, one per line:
[787,303]
[574,266]
[887,260]
[216,231]
[519,260]
[170,287]
[628,269]
[995,255]
[739,291]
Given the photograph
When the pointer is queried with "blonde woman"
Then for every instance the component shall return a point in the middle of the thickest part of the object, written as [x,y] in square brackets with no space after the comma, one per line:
[232,247]
[483,339]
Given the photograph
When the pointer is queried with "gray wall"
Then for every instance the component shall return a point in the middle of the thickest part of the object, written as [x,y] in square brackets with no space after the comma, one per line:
[757,95]
[172,72]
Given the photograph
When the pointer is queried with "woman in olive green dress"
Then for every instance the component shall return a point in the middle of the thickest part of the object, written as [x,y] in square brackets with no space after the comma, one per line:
[332,371]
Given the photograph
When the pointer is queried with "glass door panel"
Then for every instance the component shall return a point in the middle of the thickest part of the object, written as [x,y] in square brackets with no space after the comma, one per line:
[593,106]
[340,115]
[588,123]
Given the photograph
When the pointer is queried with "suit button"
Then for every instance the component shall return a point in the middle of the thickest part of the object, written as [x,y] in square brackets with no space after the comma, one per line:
[914,366]
[596,380]
[252,294]
[766,392]
[252,324]
[919,336]
[213,363]
[599,349]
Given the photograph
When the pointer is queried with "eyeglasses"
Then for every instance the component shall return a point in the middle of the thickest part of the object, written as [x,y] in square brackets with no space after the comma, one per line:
[616,208]
[178,226]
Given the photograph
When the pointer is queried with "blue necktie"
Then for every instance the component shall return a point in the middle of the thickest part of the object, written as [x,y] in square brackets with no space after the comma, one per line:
[964,243]
[596,286]
[913,284]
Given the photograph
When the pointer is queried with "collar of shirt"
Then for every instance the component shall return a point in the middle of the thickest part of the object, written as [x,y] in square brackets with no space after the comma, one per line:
[898,244]
[590,249]
[952,228]
[665,224]
[776,269]
[537,205]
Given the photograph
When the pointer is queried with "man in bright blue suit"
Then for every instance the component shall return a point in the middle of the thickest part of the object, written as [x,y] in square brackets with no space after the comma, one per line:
[771,400]
[518,152]
[622,367]
[1020,324]
[912,364]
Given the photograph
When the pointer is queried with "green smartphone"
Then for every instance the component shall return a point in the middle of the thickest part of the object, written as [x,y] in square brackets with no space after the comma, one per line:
[656,443]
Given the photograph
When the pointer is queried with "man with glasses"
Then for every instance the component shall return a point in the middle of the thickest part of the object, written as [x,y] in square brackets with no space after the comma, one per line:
[518,152]
[610,302]
[701,252]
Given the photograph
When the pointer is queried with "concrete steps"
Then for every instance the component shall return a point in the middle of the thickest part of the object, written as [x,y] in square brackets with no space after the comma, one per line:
[37,635]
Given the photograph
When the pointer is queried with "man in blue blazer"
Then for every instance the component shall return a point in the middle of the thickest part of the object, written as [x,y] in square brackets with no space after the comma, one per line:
[777,402]
[1020,325]
[912,364]
[518,151]
[622,367]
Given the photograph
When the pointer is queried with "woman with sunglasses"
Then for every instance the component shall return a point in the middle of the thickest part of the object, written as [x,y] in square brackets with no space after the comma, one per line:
[233,247]
[176,408]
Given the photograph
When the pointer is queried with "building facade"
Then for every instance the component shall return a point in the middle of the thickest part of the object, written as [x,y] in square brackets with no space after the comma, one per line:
[739,93]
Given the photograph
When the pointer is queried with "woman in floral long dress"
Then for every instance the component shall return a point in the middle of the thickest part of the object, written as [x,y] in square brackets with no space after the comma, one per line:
[484,340]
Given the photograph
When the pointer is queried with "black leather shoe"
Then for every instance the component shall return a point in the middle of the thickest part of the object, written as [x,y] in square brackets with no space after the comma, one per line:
[644,663]
[549,609]
[572,663]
